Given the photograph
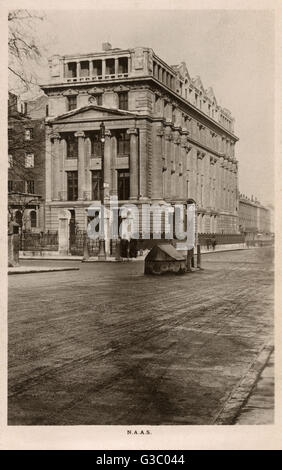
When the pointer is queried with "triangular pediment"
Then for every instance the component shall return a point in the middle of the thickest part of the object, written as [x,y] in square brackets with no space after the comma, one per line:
[198,83]
[210,94]
[91,112]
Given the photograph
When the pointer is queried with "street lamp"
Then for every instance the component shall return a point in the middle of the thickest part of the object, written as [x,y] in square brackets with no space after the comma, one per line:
[102,253]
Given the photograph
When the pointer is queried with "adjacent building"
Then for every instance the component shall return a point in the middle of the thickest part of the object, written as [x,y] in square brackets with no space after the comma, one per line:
[254,218]
[26,162]
[167,139]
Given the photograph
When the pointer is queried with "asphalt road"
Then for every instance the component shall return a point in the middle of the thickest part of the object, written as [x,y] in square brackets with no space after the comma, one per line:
[108,345]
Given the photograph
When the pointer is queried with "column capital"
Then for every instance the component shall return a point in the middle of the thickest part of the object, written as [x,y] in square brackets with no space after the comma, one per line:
[79,134]
[108,133]
[132,131]
[160,131]
[168,137]
[55,136]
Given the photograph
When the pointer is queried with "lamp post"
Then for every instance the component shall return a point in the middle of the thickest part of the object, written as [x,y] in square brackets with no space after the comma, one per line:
[102,252]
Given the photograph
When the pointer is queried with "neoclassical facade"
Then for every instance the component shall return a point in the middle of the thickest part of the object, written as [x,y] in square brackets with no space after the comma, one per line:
[166,138]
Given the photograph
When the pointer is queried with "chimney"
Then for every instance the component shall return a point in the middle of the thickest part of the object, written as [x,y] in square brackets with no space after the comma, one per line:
[106,46]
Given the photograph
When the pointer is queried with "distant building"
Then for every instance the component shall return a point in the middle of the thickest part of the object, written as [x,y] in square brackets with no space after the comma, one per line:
[167,139]
[26,161]
[254,218]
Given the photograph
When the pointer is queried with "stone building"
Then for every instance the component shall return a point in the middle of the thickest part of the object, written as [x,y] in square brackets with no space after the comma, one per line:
[166,140]
[254,218]
[26,161]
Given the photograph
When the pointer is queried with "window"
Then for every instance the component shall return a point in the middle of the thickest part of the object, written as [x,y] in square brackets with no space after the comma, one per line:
[47,110]
[123,65]
[96,146]
[29,160]
[10,161]
[72,146]
[173,114]
[97,67]
[96,185]
[72,182]
[123,143]
[123,185]
[72,102]
[71,70]
[99,99]
[10,186]
[30,187]
[84,69]
[33,219]
[110,66]
[123,100]
[28,134]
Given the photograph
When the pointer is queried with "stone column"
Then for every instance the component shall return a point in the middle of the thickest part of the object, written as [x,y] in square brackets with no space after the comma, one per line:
[78,69]
[103,68]
[63,154]
[133,163]
[157,160]
[144,164]
[63,232]
[114,188]
[81,164]
[116,67]
[55,166]
[90,68]
[183,145]
[199,179]
[168,165]
[87,153]
[107,164]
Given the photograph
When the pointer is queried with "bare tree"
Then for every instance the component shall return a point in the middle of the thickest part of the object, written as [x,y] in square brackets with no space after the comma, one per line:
[24,49]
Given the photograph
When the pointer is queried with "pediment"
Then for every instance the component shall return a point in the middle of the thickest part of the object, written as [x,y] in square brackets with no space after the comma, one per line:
[91,112]
[210,94]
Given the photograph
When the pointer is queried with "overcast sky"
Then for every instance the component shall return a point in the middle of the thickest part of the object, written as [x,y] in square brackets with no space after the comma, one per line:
[232,51]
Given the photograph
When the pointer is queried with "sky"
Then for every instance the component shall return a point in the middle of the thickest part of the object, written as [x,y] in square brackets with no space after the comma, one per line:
[231,50]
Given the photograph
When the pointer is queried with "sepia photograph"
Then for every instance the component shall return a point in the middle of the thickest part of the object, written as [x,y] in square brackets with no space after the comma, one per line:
[140,175]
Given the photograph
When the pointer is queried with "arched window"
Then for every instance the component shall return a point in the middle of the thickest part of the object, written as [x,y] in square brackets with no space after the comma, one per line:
[18,217]
[33,219]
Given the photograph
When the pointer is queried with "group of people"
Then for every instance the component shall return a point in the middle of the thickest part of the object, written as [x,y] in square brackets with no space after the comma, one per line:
[211,242]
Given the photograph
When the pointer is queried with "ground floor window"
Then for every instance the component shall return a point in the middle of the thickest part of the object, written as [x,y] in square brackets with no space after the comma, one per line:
[96,185]
[33,219]
[72,184]
[123,185]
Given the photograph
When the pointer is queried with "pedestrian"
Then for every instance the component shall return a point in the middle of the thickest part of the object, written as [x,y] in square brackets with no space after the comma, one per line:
[213,243]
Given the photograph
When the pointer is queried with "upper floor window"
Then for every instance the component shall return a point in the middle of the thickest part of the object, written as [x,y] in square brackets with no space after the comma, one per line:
[123,185]
[30,187]
[123,100]
[72,146]
[10,161]
[28,134]
[70,70]
[84,68]
[10,186]
[97,67]
[99,99]
[72,102]
[96,146]
[29,160]
[72,185]
[123,65]
[110,66]
[123,143]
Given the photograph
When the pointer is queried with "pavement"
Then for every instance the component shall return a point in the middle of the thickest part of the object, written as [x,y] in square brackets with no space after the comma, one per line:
[259,407]
[106,345]
[39,269]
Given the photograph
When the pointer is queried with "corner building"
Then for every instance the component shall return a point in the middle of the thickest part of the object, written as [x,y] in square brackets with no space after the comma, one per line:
[167,139]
